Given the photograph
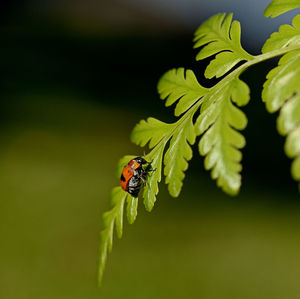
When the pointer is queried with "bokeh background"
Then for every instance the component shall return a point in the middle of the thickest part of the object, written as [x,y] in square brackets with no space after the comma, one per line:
[76,77]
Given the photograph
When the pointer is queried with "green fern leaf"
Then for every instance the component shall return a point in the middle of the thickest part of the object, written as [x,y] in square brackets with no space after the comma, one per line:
[152,131]
[278,7]
[288,124]
[151,188]
[177,84]
[132,205]
[289,116]
[282,91]
[282,81]
[218,121]
[286,36]
[178,154]
[221,37]
[112,218]
[117,200]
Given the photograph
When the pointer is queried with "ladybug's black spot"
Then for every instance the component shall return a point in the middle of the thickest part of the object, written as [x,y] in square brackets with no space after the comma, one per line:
[122,178]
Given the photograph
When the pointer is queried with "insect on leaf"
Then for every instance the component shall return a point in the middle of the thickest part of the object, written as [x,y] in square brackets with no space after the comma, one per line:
[219,121]
[182,86]
[278,7]
[286,36]
[282,91]
[221,37]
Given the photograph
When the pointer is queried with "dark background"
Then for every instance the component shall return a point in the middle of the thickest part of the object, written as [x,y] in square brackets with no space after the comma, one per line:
[76,76]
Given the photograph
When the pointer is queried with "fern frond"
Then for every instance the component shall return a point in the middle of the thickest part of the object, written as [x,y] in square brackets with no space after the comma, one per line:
[219,121]
[288,123]
[176,85]
[282,81]
[152,130]
[286,36]
[282,91]
[132,205]
[178,154]
[182,86]
[278,7]
[221,37]
[151,188]
[112,218]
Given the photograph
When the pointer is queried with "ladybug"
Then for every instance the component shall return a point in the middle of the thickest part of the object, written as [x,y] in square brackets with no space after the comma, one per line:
[134,174]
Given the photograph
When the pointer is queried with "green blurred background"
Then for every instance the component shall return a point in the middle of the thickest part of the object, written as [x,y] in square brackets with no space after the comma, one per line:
[76,77]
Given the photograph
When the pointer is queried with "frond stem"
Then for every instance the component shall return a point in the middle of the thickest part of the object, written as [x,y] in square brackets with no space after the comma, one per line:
[256,59]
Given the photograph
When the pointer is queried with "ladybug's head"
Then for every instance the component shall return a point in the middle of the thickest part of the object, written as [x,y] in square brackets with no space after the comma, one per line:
[140,160]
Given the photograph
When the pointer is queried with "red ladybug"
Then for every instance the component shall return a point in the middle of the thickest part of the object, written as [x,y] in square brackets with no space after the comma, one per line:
[134,174]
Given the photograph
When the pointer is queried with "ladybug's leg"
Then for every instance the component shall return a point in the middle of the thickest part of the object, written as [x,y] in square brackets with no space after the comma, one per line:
[143,180]
[149,170]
